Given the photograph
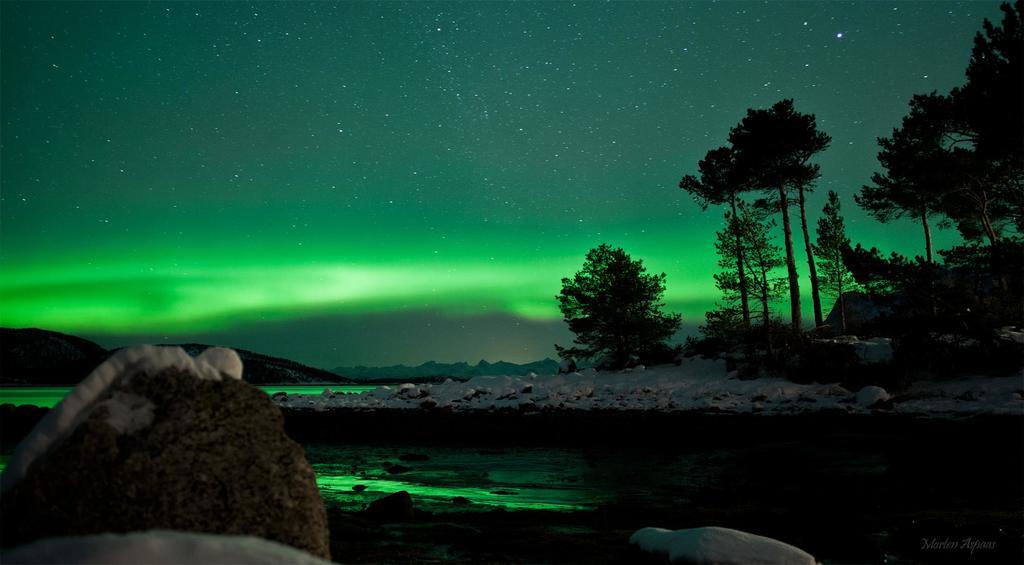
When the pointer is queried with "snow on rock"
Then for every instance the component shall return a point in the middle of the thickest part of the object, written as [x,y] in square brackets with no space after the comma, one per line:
[871,395]
[1010,334]
[722,546]
[158,547]
[127,413]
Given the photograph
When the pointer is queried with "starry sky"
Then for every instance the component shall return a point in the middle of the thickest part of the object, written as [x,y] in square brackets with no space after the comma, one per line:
[377,183]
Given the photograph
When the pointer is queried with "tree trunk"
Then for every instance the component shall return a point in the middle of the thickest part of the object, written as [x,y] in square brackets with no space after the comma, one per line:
[766,314]
[993,240]
[740,269]
[990,232]
[928,252]
[794,284]
[842,305]
[927,235]
[815,297]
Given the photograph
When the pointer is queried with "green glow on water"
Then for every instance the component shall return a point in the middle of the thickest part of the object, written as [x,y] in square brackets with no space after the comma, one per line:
[337,490]
[49,396]
[46,396]
[515,479]
[534,479]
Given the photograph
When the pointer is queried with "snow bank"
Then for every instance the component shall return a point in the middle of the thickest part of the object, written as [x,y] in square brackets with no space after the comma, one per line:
[721,546]
[1008,333]
[127,412]
[158,547]
[697,385]
[989,395]
[871,395]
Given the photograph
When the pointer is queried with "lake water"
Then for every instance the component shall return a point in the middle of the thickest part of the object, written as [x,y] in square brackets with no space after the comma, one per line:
[846,497]
[533,479]
[49,396]
[514,479]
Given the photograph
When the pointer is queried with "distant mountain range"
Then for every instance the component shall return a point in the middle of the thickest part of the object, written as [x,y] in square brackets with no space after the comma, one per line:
[42,357]
[435,370]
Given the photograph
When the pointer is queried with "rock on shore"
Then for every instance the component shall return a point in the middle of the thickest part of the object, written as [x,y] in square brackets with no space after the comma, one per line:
[154,439]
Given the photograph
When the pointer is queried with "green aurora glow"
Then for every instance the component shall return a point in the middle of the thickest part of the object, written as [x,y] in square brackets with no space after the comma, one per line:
[184,170]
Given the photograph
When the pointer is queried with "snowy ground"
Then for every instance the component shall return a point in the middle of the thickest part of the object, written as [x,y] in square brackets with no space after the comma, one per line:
[697,385]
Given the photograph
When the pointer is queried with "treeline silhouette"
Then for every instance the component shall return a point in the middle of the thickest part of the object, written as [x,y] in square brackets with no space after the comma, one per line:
[956,160]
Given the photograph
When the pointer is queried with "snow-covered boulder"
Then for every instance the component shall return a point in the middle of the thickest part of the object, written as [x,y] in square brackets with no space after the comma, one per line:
[721,546]
[156,439]
[871,395]
[158,547]
[1009,333]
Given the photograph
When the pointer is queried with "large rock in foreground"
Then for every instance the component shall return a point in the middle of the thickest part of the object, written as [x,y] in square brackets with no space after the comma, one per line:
[158,547]
[154,439]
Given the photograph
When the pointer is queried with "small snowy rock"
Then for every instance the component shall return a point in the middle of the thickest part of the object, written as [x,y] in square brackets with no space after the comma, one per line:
[871,395]
[721,546]
[1010,334]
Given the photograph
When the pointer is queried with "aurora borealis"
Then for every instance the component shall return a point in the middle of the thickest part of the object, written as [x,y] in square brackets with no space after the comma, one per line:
[364,183]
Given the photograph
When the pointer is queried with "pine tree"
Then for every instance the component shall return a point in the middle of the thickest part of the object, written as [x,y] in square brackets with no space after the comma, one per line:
[803,186]
[988,115]
[762,259]
[832,241]
[918,170]
[772,151]
[614,307]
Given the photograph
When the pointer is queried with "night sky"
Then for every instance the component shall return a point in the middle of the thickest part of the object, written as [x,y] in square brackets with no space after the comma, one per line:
[367,183]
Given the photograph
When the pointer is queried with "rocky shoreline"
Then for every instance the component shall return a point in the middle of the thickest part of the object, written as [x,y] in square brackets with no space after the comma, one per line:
[590,428]
[598,427]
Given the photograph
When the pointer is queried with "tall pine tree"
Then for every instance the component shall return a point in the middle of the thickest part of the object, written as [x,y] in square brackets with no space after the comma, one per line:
[918,171]
[762,259]
[832,241]
[773,148]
